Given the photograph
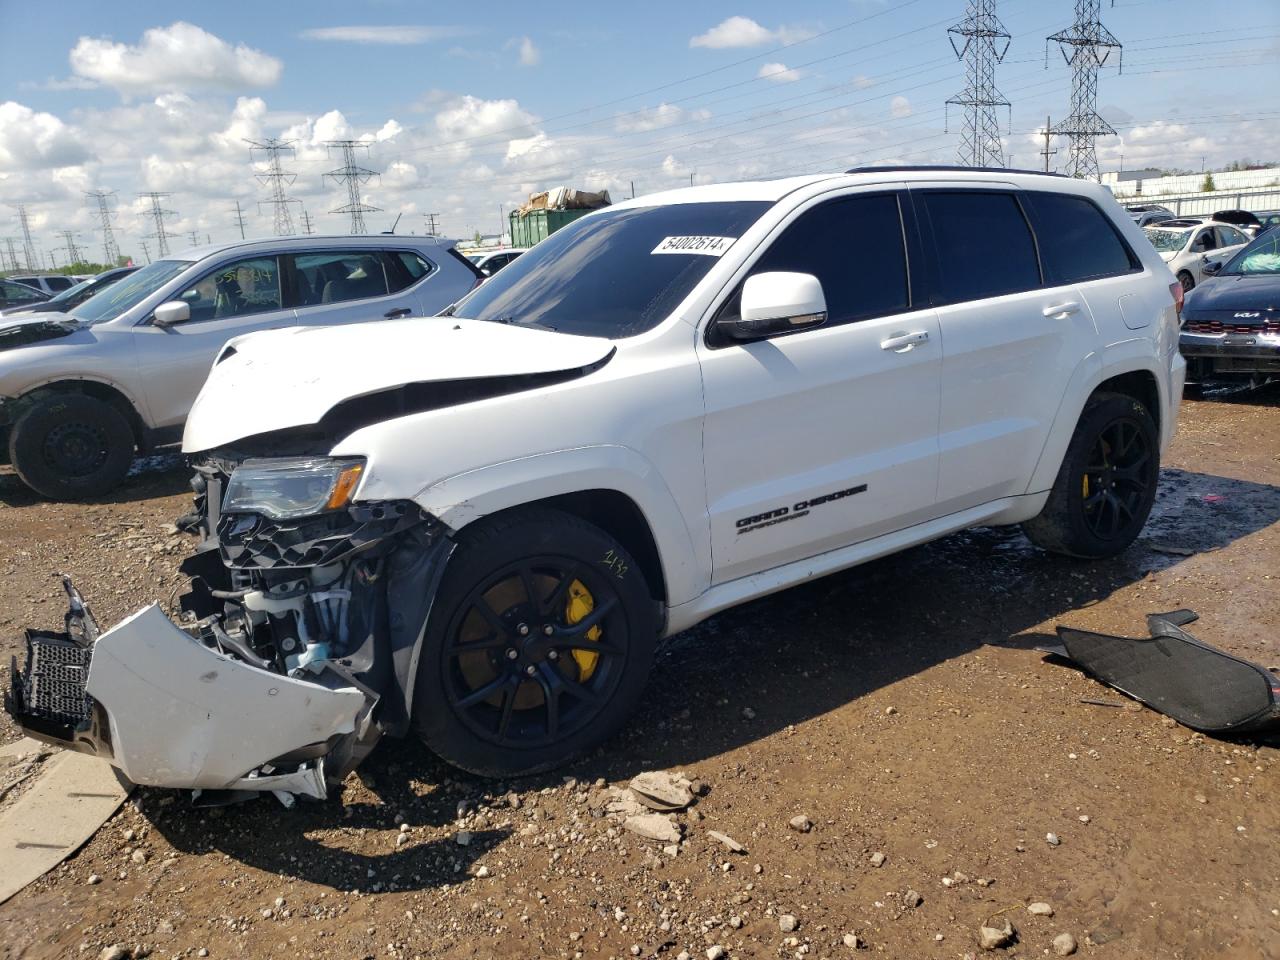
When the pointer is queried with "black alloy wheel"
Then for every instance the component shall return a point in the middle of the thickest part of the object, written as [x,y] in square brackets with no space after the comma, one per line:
[1116,479]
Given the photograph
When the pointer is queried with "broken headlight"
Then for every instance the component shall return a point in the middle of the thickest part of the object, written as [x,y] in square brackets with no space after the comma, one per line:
[286,487]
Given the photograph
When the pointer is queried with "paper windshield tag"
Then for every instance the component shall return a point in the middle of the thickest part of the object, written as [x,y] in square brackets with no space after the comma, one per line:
[703,246]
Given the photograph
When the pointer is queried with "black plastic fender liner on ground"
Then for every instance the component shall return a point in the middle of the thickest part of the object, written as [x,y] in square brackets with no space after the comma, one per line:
[1198,685]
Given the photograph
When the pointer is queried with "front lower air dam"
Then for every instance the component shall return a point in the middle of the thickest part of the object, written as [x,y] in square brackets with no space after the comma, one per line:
[178,714]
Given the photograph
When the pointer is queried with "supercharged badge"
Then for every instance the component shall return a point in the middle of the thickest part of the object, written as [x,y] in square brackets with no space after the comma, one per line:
[795,511]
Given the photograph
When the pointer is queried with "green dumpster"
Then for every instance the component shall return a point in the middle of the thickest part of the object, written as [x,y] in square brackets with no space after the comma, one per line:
[539,224]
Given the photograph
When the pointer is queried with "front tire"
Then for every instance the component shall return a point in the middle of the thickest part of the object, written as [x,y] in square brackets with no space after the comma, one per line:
[538,646]
[1107,482]
[69,447]
[1187,280]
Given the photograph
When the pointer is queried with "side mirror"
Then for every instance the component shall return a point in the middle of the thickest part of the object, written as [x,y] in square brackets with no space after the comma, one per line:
[777,302]
[1212,266]
[168,314]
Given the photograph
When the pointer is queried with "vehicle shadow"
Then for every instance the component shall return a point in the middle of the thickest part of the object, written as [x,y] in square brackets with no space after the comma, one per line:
[1260,395]
[159,475]
[348,842]
[822,645]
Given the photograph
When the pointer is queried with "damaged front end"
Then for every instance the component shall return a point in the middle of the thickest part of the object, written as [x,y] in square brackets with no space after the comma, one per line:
[295,650]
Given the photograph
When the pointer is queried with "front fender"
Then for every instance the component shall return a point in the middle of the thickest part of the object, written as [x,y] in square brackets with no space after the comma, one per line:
[466,497]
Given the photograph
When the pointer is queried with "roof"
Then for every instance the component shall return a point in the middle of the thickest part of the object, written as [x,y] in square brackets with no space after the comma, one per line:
[325,241]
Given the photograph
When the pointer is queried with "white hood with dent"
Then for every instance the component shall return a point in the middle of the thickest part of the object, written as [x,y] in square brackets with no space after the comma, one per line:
[288,378]
[1167,255]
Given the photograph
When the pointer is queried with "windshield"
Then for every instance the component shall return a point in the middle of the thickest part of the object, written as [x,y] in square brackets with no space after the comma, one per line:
[129,292]
[1260,257]
[605,276]
[1168,241]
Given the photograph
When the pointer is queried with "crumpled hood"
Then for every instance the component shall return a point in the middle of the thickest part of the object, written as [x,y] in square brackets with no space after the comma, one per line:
[1167,255]
[290,378]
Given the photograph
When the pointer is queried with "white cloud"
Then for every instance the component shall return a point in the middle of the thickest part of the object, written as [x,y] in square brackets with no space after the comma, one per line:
[655,118]
[524,148]
[530,55]
[899,107]
[36,141]
[778,73]
[177,57]
[745,32]
[862,82]
[395,35]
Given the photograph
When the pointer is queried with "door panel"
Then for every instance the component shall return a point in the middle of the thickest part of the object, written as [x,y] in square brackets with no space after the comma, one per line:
[233,299]
[822,438]
[828,413]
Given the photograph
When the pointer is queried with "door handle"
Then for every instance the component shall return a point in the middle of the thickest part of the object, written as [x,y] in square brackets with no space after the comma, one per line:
[398,312]
[1060,310]
[902,342]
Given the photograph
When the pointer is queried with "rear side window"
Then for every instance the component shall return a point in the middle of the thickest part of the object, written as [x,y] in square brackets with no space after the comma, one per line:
[1077,241]
[336,276]
[1230,237]
[404,269]
[58,284]
[854,246]
[984,245]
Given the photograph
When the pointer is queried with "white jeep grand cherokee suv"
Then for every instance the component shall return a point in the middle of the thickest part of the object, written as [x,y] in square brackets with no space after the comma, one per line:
[478,525]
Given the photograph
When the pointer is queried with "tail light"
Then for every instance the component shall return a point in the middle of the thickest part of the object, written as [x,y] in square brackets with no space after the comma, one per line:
[1178,296]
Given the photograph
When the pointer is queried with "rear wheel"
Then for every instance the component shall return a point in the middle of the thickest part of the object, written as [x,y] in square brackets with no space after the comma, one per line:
[1106,484]
[538,646]
[69,446]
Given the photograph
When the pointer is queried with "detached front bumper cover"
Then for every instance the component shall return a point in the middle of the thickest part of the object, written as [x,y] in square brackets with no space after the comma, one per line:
[171,712]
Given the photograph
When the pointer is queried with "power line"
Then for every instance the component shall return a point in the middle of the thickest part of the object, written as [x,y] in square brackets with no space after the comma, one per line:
[146,251]
[240,219]
[1046,152]
[102,200]
[353,176]
[431,223]
[307,228]
[158,213]
[1086,45]
[986,41]
[277,179]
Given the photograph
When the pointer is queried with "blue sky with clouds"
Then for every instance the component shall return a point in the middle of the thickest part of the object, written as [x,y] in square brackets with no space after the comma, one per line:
[466,108]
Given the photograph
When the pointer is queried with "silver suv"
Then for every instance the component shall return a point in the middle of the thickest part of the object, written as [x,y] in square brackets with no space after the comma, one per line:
[80,392]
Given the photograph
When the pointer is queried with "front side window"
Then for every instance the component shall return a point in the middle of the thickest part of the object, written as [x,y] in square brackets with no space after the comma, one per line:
[1262,256]
[336,276]
[616,273]
[854,246]
[1077,241]
[20,292]
[984,245]
[1204,241]
[236,289]
[129,292]
[1230,237]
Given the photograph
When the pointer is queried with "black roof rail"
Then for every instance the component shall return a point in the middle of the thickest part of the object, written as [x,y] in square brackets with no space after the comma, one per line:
[940,168]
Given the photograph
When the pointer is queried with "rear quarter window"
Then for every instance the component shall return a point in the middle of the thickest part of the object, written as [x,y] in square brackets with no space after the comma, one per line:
[1077,240]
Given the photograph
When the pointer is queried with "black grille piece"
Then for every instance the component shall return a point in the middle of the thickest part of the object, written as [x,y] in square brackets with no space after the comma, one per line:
[52,683]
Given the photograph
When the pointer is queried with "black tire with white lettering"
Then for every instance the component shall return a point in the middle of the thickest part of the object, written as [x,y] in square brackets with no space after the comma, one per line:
[1106,484]
[538,646]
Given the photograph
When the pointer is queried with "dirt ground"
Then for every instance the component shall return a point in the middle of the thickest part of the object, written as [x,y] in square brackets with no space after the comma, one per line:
[902,707]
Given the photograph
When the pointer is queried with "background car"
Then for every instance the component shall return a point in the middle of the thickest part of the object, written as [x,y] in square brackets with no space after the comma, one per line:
[1185,244]
[14,294]
[73,296]
[1145,213]
[1231,323]
[492,261]
[49,283]
[122,377]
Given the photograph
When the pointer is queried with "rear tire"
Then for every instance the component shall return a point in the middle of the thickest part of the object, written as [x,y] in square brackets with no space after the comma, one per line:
[69,446]
[1107,482]
[508,619]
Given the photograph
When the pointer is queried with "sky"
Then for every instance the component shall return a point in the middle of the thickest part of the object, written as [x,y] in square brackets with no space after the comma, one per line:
[463,111]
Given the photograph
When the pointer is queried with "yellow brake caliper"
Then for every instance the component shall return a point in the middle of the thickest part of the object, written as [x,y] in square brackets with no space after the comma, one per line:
[578,606]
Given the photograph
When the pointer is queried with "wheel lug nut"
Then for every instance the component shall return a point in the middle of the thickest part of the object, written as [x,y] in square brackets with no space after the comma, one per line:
[512,653]
[523,629]
[531,670]
[548,630]
[553,655]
